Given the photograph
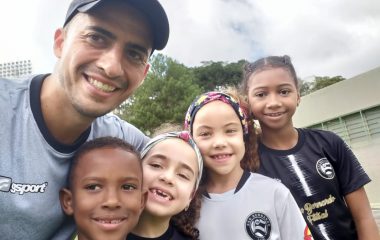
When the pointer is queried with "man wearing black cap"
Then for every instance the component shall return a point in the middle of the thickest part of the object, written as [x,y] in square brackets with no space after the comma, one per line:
[103,51]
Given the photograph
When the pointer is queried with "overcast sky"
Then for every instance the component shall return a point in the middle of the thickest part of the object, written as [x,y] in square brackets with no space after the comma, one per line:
[324,37]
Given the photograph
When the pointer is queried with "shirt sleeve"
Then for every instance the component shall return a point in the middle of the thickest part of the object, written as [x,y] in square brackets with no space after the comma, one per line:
[291,222]
[350,173]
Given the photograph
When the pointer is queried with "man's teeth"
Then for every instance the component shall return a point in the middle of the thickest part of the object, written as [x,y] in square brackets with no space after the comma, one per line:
[101,86]
[162,194]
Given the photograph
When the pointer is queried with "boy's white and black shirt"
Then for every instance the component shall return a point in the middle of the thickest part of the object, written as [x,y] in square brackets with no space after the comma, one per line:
[319,171]
[260,208]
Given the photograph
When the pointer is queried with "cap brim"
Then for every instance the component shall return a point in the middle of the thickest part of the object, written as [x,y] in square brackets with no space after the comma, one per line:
[152,10]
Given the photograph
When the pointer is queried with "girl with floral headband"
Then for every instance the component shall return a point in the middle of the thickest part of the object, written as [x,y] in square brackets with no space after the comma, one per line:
[236,203]
[172,168]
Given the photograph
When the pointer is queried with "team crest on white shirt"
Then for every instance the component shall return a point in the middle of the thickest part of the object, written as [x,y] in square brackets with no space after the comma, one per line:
[325,169]
[258,226]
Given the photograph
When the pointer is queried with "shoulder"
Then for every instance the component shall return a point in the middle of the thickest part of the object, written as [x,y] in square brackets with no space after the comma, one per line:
[269,184]
[112,125]
[7,85]
[318,133]
[110,122]
[321,137]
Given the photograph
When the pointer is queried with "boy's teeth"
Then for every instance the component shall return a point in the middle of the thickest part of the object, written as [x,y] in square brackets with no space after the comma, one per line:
[101,86]
[110,221]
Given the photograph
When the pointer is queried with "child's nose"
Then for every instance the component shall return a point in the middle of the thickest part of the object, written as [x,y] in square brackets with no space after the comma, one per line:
[273,101]
[219,142]
[167,177]
[112,199]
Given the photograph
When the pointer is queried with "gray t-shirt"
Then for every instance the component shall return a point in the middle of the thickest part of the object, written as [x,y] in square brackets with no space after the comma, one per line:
[34,166]
[262,209]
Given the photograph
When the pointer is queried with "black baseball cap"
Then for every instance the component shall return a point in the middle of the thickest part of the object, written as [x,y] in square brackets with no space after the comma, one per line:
[152,9]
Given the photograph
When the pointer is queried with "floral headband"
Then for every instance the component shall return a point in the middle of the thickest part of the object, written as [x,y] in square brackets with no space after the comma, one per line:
[185,136]
[205,98]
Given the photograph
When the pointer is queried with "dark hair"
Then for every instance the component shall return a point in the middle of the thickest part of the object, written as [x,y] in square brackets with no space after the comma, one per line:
[185,220]
[102,142]
[250,161]
[267,63]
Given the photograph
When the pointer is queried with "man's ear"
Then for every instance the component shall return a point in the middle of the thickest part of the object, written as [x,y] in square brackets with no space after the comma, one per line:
[146,70]
[59,37]
[66,199]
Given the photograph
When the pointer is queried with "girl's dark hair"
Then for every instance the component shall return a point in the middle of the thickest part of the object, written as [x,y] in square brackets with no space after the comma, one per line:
[267,63]
[185,221]
[102,142]
[250,161]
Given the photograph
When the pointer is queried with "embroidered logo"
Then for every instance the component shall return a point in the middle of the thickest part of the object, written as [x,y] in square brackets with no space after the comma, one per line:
[258,226]
[325,169]
[6,185]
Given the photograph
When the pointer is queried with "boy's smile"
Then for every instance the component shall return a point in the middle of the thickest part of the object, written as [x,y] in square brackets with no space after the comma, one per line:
[106,198]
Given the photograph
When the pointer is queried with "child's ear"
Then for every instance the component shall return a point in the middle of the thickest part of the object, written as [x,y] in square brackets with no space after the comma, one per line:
[298,99]
[66,199]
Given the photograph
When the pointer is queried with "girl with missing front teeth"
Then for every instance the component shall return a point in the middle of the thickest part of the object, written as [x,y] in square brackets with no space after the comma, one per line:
[172,167]
[236,203]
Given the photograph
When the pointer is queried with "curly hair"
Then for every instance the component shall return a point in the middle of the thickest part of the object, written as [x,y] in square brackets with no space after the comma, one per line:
[185,221]
[250,161]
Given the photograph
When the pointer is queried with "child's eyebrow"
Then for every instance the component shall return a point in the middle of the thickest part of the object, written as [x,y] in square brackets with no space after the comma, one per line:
[164,158]
[184,165]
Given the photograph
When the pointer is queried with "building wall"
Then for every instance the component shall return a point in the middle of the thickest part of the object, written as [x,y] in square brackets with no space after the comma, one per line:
[350,108]
[342,98]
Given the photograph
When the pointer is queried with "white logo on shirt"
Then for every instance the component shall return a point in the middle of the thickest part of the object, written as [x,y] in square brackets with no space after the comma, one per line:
[325,169]
[258,226]
[6,185]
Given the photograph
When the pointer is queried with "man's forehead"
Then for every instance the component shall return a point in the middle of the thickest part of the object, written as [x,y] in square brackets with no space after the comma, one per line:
[152,11]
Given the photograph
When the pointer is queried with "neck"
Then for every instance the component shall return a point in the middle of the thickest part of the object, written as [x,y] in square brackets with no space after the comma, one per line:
[282,139]
[150,226]
[220,183]
[62,120]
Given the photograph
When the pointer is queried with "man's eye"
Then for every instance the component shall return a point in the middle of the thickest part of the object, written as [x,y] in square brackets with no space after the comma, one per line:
[128,187]
[136,56]
[96,39]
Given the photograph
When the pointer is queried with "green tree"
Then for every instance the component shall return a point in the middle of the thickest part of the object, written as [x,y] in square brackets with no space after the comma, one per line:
[307,87]
[215,75]
[322,82]
[164,96]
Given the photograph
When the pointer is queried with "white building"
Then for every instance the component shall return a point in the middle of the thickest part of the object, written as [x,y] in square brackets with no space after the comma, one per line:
[15,69]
